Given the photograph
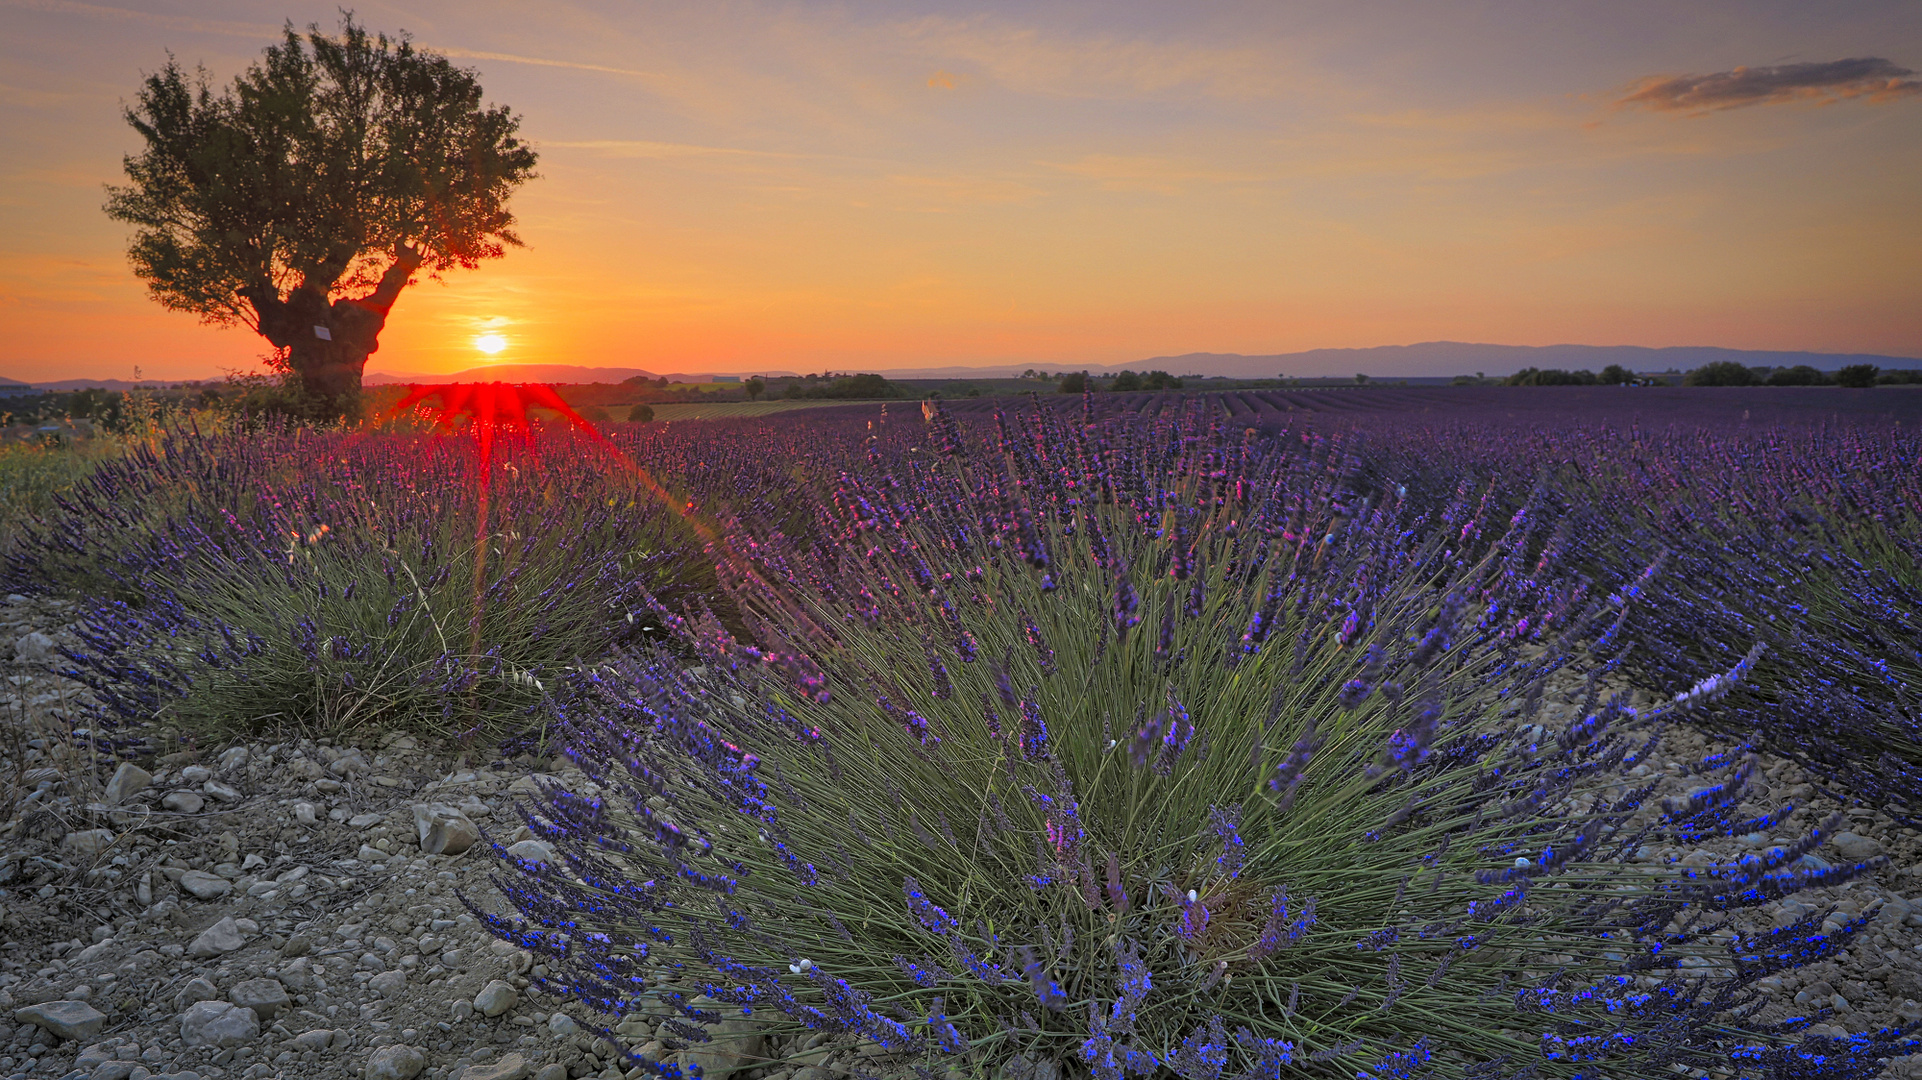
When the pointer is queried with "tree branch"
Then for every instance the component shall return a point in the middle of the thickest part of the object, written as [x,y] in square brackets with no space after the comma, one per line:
[271,317]
[406,261]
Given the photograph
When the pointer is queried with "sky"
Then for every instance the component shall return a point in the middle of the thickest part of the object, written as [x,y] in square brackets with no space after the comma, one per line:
[729,187]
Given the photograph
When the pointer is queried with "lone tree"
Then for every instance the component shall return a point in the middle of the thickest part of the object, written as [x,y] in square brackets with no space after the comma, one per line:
[303,199]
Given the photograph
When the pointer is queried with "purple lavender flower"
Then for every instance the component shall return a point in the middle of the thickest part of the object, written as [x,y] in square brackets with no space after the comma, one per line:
[1045,988]
[1034,732]
[1225,824]
[932,918]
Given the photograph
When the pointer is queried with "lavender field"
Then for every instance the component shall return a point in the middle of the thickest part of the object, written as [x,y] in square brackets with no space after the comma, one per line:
[1468,732]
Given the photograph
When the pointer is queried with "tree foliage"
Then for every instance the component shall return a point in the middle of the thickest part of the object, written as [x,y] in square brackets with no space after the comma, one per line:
[1799,375]
[333,166]
[1551,377]
[1857,376]
[1720,373]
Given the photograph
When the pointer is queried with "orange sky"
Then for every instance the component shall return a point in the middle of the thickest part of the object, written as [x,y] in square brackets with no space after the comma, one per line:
[736,187]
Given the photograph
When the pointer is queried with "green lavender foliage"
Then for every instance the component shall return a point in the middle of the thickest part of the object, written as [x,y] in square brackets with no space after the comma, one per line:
[771,834]
[333,582]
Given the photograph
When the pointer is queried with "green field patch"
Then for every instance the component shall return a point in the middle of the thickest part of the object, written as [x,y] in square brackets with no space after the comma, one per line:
[723,409]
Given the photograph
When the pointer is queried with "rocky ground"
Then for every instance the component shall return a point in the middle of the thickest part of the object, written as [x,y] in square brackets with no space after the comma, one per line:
[284,910]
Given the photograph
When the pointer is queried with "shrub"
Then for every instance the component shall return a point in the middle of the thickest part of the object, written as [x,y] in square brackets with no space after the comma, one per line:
[1159,753]
[1074,382]
[1551,377]
[1125,380]
[1617,375]
[1799,375]
[1720,373]
[640,414]
[1900,377]
[1857,376]
[332,582]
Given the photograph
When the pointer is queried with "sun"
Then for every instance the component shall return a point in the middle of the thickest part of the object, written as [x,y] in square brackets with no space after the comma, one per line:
[490,343]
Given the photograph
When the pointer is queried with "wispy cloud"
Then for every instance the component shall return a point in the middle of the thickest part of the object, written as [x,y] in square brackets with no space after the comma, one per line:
[644,148]
[265,31]
[225,27]
[538,61]
[1826,82]
[1027,59]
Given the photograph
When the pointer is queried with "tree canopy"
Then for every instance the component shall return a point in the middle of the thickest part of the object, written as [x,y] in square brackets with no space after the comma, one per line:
[300,200]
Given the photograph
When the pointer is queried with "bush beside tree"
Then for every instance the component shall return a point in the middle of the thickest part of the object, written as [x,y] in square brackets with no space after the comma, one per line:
[1857,376]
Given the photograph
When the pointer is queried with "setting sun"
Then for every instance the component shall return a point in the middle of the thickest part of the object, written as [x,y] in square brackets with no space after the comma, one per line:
[490,343]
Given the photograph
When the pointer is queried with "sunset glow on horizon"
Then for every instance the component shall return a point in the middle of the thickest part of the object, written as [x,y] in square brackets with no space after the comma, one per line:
[867,186]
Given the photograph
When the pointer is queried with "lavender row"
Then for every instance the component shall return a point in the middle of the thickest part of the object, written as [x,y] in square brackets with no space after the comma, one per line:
[1160,746]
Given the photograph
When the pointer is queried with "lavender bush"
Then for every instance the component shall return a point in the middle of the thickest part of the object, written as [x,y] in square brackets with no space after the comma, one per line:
[1162,749]
[1805,537]
[334,581]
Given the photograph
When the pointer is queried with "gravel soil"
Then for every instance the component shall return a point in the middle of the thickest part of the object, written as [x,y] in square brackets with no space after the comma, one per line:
[266,909]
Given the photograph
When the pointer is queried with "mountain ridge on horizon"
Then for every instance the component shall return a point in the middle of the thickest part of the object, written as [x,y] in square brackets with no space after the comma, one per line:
[1263,366]
[1422,359]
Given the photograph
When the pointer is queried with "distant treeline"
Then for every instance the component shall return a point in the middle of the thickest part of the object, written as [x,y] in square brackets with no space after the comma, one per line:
[1720,373]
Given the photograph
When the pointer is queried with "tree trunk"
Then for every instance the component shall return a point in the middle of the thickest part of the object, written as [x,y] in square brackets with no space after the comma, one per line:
[328,344]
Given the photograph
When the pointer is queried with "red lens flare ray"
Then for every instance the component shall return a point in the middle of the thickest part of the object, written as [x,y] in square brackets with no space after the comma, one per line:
[497,408]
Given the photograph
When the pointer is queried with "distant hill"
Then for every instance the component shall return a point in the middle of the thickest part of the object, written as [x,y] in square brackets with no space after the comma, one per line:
[528,373]
[1429,358]
[1462,358]
[120,385]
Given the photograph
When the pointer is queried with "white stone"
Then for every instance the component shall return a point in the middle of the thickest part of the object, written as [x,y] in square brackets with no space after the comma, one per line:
[218,1023]
[443,830]
[388,983]
[304,813]
[195,774]
[33,648]
[734,1045]
[183,802]
[197,990]
[222,937]
[265,997]
[63,1019]
[232,758]
[221,792]
[205,886]
[128,780]
[562,1025]
[87,843]
[535,851]
[396,1063]
[511,1067]
[496,998]
[1855,847]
